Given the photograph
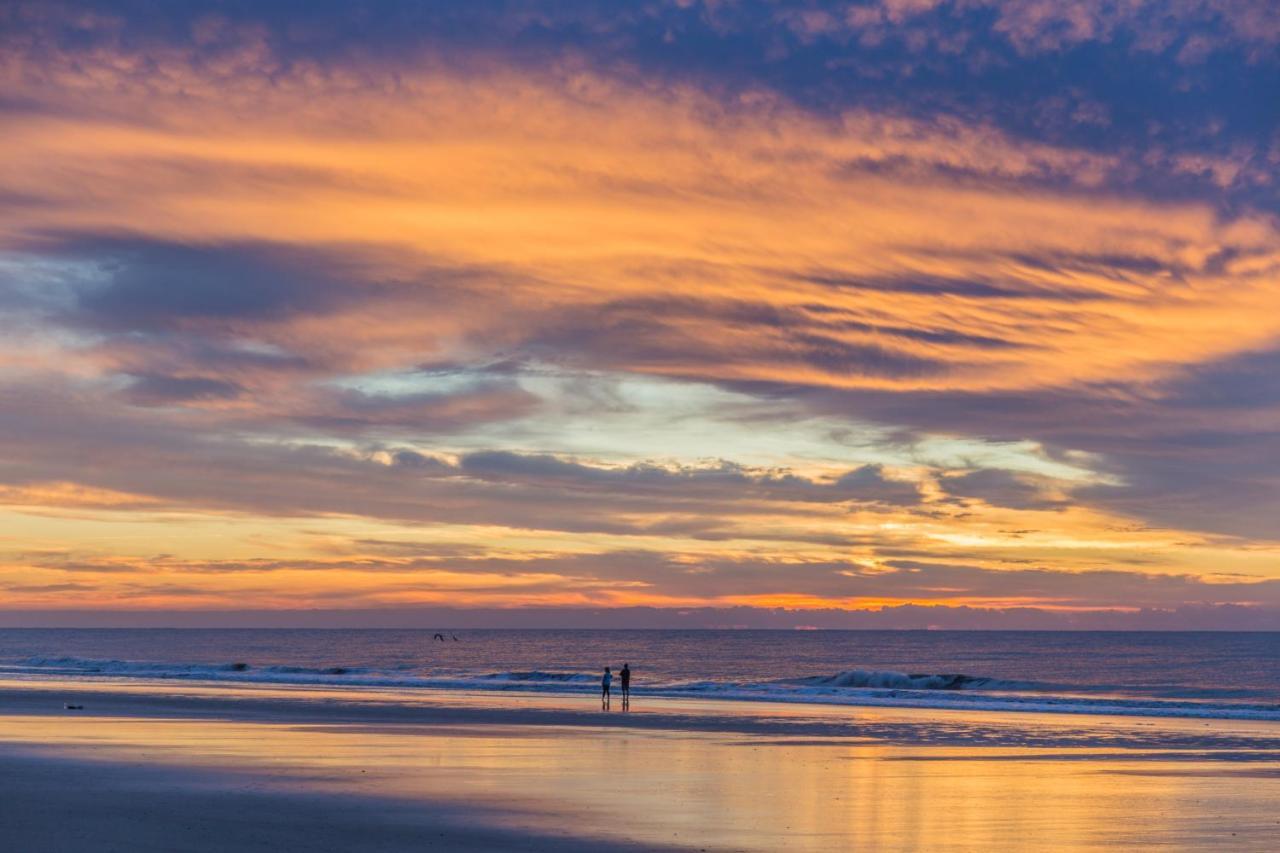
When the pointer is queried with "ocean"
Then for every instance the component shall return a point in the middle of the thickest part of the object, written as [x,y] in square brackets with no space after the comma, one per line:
[1195,675]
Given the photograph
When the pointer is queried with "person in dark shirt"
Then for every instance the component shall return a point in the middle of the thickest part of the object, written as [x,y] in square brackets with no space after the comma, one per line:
[626,686]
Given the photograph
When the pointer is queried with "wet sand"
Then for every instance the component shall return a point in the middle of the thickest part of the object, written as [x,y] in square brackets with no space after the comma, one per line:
[163,767]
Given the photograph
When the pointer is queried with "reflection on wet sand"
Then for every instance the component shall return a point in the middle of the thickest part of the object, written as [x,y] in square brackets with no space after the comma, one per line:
[720,790]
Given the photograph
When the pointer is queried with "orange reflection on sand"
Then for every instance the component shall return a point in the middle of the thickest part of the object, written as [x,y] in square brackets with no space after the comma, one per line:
[762,794]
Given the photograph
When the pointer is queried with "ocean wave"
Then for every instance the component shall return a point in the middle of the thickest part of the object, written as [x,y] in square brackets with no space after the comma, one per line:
[164,669]
[547,677]
[124,667]
[890,680]
[873,688]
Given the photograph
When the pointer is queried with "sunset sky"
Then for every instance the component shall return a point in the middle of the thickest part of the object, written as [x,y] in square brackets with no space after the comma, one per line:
[964,311]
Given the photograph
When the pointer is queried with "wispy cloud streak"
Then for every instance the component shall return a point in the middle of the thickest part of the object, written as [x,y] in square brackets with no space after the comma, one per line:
[506,272]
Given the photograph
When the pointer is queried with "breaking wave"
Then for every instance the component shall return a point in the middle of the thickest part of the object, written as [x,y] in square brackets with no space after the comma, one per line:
[889,680]
[549,677]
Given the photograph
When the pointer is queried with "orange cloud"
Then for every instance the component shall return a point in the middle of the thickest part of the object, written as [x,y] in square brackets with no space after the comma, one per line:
[487,215]
[871,233]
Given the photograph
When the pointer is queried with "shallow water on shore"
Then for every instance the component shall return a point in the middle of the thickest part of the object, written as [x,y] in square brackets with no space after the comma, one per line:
[1179,784]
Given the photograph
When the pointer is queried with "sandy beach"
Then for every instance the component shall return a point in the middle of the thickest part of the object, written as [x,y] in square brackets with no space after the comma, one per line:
[885,392]
[157,767]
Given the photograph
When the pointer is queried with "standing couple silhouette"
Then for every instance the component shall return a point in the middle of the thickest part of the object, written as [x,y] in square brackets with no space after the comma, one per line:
[624,676]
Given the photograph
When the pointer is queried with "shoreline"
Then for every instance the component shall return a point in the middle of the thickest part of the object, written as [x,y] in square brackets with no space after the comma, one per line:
[974,700]
[905,726]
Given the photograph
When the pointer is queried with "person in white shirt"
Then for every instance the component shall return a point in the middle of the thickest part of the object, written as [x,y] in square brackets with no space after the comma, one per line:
[604,689]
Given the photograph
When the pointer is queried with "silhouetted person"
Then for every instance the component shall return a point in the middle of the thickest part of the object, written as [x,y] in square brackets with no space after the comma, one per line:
[604,689]
[439,637]
[625,676]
